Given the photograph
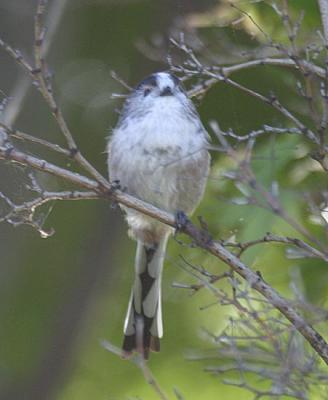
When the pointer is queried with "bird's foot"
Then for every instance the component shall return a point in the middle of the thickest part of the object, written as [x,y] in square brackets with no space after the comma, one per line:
[181,220]
[116,185]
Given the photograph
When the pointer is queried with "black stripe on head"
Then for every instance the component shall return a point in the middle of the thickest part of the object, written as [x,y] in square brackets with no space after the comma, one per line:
[177,82]
[175,79]
[149,81]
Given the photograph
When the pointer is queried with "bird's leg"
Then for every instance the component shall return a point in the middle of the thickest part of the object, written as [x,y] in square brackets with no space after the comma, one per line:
[115,185]
[181,220]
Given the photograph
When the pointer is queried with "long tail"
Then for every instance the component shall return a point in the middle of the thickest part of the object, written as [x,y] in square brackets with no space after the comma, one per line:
[143,325]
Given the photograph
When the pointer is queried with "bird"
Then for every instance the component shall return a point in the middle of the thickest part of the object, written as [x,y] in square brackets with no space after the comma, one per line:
[158,152]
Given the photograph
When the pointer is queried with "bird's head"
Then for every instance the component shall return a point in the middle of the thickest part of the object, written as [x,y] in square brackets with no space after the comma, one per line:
[160,84]
[160,92]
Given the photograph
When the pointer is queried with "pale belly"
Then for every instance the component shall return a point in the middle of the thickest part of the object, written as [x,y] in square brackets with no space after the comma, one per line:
[167,177]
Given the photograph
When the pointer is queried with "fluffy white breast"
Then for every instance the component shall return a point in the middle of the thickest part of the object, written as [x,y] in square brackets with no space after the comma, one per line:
[166,124]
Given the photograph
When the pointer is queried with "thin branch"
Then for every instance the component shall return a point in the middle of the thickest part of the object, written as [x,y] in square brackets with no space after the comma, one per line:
[24,214]
[107,191]
[141,363]
[273,101]
[39,73]
[284,363]
[267,129]
[33,139]
[280,62]
[22,86]
[227,71]
[45,87]
[118,79]
[323,5]
[10,153]
[269,237]
[246,175]
[17,56]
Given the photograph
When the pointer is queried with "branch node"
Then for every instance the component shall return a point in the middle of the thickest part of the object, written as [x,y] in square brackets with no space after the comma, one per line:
[73,152]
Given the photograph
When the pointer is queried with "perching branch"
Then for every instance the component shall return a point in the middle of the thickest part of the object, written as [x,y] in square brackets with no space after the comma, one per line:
[200,237]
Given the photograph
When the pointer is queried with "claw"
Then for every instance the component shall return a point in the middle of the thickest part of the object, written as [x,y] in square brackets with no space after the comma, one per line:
[116,185]
[181,220]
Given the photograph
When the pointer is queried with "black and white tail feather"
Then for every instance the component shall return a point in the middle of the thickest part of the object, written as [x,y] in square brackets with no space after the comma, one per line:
[143,325]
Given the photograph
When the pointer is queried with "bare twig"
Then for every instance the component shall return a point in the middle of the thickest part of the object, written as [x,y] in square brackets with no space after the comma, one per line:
[256,342]
[45,86]
[227,71]
[118,79]
[20,214]
[33,139]
[324,17]
[140,362]
[269,237]
[266,130]
[22,86]
[246,175]
[272,101]
[17,56]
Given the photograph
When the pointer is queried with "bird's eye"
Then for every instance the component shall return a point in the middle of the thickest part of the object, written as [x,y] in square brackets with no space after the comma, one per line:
[147,91]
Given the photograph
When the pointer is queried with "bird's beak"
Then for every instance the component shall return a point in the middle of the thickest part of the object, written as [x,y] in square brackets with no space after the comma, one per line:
[167,91]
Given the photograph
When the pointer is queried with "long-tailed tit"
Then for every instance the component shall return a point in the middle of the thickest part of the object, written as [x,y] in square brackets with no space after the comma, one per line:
[158,153]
